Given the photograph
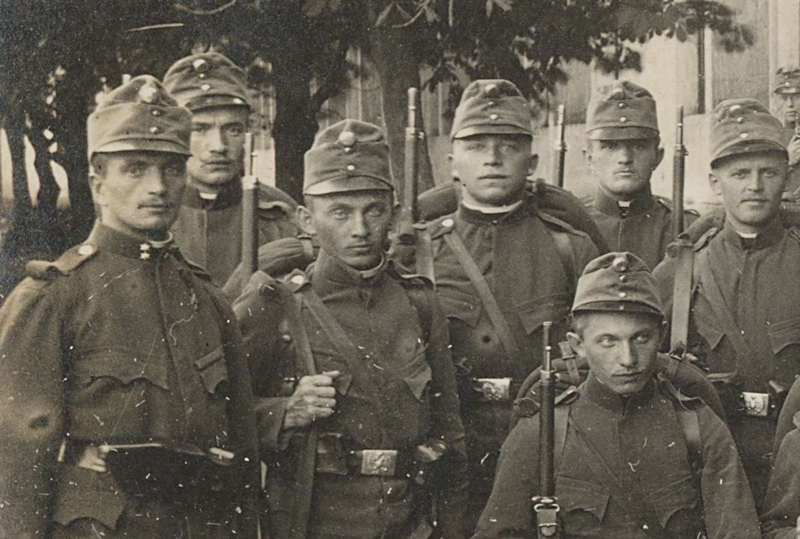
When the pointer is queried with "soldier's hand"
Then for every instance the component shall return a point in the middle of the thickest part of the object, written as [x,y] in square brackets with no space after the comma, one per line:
[314,398]
[794,151]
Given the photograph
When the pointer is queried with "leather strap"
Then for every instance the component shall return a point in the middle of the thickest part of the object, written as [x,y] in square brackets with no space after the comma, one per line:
[487,298]
[682,297]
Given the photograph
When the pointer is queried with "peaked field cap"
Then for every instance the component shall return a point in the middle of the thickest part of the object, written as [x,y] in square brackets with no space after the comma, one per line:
[139,115]
[492,106]
[740,126]
[617,282]
[621,110]
[207,80]
[787,80]
[350,155]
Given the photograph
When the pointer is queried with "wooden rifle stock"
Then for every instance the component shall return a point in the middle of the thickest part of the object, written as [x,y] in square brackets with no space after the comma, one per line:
[678,173]
[545,504]
[559,161]
[409,213]
[249,209]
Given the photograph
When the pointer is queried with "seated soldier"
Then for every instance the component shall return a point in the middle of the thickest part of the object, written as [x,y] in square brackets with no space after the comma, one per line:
[633,456]
[782,503]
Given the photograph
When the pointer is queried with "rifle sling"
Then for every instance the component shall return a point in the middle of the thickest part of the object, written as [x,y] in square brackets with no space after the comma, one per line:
[307,462]
[474,274]
[682,297]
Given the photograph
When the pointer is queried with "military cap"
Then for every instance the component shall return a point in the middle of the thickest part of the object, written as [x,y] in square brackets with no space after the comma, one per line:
[139,115]
[350,155]
[740,126]
[617,282]
[621,110]
[492,107]
[788,80]
[207,80]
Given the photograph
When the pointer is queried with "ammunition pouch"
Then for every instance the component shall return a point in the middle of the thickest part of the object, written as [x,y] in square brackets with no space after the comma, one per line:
[160,470]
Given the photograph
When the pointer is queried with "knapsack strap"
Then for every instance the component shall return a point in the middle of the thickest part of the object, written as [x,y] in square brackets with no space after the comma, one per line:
[496,316]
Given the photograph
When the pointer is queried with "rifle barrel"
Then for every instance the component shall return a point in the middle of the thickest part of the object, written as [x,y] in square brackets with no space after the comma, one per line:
[410,213]
[559,166]
[249,209]
[547,418]
[678,174]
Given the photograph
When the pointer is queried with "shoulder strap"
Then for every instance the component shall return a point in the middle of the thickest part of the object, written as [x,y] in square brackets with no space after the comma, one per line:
[421,299]
[333,330]
[487,298]
[690,425]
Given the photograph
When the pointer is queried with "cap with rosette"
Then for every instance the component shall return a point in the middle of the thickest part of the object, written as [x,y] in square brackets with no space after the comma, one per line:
[621,110]
[139,115]
[492,106]
[787,80]
[350,155]
[207,80]
[617,282]
[741,126]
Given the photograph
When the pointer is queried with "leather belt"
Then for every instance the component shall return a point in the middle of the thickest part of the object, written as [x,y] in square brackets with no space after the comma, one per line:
[755,404]
[332,458]
[493,389]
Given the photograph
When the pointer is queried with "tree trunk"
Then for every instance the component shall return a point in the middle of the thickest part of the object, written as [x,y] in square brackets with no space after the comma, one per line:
[23,206]
[52,239]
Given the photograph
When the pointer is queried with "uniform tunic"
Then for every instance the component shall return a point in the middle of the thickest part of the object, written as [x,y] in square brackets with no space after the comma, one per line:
[209,233]
[636,443]
[644,229]
[118,341]
[398,395]
[533,282]
[755,278]
[782,504]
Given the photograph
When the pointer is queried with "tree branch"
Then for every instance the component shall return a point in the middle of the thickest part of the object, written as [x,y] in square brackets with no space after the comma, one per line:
[215,11]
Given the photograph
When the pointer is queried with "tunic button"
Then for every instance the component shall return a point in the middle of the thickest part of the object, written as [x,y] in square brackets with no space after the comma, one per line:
[86,249]
[298,279]
[447,223]
[493,116]
[623,294]
[351,168]
[286,337]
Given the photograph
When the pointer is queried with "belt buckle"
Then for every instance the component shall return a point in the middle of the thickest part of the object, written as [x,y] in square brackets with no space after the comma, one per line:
[494,389]
[378,462]
[755,404]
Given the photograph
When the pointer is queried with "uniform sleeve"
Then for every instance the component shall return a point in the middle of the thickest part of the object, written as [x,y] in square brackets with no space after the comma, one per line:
[585,252]
[32,407]
[509,511]
[728,505]
[259,319]
[448,425]
[782,503]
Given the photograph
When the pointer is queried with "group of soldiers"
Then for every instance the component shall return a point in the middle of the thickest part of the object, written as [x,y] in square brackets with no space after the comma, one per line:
[151,388]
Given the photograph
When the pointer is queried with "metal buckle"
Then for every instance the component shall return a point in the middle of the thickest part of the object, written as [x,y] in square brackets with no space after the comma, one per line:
[378,462]
[755,404]
[494,389]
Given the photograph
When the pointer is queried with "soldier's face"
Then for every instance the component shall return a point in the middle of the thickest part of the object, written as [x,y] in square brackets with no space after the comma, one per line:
[623,167]
[492,169]
[217,146]
[751,186]
[620,348]
[789,108]
[352,227]
[139,193]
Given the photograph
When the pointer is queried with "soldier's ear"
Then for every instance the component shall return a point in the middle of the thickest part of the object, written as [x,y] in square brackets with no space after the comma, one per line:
[659,157]
[576,343]
[97,187]
[306,220]
[533,163]
[714,183]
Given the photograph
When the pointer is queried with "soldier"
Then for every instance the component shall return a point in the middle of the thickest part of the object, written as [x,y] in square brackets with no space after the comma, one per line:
[209,226]
[782,503]
[502,268]
[634,457]
[622,152]
[350,364]
[742,304]
[125,403]
[787,93]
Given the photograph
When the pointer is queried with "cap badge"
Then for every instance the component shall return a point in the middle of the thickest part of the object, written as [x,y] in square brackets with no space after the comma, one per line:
[620,264]
[347,138]
[623,119]
[744,135]
[200,65]
[237,101]
[147,93]
[298,279]
[489,88]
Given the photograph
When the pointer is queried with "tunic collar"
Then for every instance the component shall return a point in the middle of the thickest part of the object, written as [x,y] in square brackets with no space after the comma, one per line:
[640,203]
[480,218]
[229,195]
[603,396]
[331,274]
[107,239]
[769,237]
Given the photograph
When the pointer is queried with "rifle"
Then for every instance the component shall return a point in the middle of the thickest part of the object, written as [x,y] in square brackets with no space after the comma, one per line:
[249,209]
[411,232]
[678,173]
[559,162]
[546,505]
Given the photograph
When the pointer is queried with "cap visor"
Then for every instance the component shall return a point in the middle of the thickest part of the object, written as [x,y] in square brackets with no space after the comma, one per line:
[489,129]
[347,184]
[211,101]
[618,307]
[751,146]
[142,145]
[788,90]
[622,133]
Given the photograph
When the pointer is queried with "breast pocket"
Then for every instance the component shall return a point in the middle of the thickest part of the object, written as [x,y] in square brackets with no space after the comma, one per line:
[460,306]
[784,334]
[213,369]
[678,508]
[118,366]
[533,313]
[583,504]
